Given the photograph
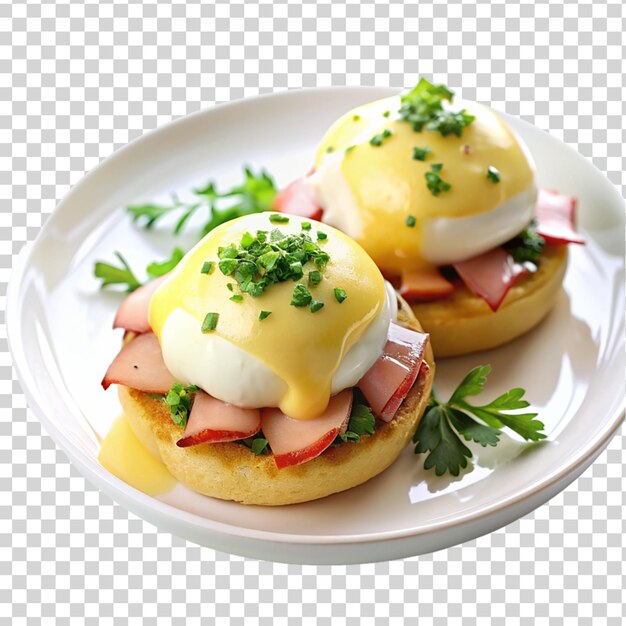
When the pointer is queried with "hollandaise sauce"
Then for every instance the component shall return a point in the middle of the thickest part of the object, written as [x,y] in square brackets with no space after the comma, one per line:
[299,328]
[402,179]
[127,458]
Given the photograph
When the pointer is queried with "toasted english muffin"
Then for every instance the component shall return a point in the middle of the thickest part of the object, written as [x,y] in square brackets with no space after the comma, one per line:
[231,471]
[463,323]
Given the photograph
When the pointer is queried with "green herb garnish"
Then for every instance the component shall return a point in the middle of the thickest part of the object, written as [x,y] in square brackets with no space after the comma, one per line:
[315,306]
[434,182]
[440,427]
[423,107]
[301,296]
[257,443]
[210,322]
[321,236]
[527,246]
[123,275]
[269,258]
[113,275]
[254,195]
[236,298]
[386,113]
[493,174]
[356,118]
[340,294]
[362,422]
[207,267]
[178,398]
[330,149]
[264,315]
[305,225]
[277,218]
[156,269]
[420,153]
[349,149]
[315,278]
[410,221]
[377,140]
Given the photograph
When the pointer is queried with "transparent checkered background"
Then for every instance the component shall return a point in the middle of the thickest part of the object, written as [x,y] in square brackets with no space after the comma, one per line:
[79,81]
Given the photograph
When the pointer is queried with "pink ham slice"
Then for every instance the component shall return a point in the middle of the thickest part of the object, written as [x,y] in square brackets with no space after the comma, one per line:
[425,284]
[140,365]
[389,380]
[297,441]
[490,275]
[556,218]
[297,199]
[214,421]
[133,312]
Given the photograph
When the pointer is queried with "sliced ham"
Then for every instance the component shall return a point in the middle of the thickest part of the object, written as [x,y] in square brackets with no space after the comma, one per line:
[297,441]
[490,275]
[140,365]
[298,199]
[214,421]
[389,380]
[556,218]
[133,312]
[425,284]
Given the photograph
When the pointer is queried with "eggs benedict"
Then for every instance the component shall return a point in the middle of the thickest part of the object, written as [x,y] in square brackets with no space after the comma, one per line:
[443,196]
[273,365]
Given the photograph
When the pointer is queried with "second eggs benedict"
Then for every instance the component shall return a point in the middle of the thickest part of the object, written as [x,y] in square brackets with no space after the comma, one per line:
[443,197]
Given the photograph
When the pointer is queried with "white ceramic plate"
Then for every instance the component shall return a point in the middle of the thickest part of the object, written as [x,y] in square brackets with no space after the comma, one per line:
[572,365]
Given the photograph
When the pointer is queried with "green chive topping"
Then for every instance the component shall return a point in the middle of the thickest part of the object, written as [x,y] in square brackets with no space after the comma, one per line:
[340,294]
[349,149]
[275,218]
[423,107]
[330,149]
[421,153]
[210,322]
[270,258]
[377,140]
[410,221]
[315,306]
[236,298]
[434,182]
[306,225]
[386,113]
[356,118]
[301,296]
[264,315]
[493,174]
[321,235]
[207,267]
[315,278]
[229,286]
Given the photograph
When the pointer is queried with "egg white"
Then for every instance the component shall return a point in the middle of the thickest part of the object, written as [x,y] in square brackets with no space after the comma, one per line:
[445,240]
[232,375]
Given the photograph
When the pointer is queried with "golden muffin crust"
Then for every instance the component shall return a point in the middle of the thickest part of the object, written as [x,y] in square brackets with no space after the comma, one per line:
[463,323]
[231,471]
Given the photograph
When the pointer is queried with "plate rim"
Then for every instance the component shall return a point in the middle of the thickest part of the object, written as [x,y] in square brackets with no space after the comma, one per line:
[119,489]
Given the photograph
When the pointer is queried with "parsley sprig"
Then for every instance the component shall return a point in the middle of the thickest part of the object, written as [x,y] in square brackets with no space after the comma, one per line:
[362,422]
[423,108]
[254,195]
[440,427]
[111,274]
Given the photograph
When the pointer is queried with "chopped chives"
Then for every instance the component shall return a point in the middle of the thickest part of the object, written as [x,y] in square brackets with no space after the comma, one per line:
[236,298]
[340,294]
[264,315]
[210,322]
[315,306]
[410,221]
[493,174]
[277,218]
[207,267]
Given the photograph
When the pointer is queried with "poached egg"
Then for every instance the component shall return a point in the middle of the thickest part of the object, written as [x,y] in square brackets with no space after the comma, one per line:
[370,186]
[294,358]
